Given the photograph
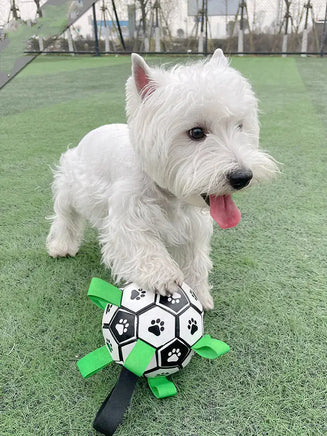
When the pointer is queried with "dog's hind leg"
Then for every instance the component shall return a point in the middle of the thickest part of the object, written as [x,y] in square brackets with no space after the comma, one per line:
[67,227]
[66,231]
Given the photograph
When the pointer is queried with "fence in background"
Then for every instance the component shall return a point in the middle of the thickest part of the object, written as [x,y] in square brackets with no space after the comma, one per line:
[265,27]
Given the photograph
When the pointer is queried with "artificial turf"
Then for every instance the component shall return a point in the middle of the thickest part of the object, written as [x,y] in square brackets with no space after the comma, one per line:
[269,276]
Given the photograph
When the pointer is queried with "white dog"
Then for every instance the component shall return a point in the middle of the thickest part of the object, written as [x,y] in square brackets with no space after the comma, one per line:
[148,186]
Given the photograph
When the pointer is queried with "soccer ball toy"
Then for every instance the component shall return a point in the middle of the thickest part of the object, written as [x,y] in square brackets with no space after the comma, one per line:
[148,334]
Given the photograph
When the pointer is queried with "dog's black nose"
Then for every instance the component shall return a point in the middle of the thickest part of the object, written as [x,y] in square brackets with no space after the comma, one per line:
[240,178]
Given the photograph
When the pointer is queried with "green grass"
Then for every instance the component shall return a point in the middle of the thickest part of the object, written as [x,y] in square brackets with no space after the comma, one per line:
[269,276]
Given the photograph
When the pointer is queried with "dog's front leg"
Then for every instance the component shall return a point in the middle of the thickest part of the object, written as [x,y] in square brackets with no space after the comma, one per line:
[136,254]
[195,263]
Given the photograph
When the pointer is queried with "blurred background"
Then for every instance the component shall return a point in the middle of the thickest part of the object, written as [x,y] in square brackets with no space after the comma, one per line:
[181,26]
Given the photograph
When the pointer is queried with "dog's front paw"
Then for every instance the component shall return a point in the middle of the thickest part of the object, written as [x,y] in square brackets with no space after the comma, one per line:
[61,248]
[206,301]
[167,282]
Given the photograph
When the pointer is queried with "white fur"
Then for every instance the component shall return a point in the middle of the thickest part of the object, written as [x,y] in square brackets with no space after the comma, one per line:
[140,184]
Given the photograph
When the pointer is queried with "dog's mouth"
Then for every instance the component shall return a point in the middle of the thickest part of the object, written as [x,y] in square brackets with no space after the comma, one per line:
[206,198]
[223,210]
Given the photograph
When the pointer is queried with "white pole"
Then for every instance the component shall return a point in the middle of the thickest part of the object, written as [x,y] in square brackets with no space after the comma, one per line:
[157,34]
[106,36]
[240,45]
[284,47]
[146,44]
[70,41]
[304,47]
[200,45]
[111,38]
[41,45]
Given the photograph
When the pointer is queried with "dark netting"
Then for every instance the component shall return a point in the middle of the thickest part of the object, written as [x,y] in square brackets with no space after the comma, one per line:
[54,17]
[159,26]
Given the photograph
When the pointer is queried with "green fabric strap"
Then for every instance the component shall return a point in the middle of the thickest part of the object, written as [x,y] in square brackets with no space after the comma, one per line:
[139,358]
[210,348]
[101,293]
[94,361]
[161,387]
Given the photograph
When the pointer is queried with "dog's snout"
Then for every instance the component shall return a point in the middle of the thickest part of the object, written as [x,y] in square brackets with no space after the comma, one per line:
[240,178]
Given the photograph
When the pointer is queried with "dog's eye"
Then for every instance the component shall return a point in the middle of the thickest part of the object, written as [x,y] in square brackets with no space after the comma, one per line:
[196,133]
[240,126]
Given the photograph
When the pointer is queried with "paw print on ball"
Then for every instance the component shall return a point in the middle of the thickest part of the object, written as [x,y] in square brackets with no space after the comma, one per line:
[136,299]
[109,345]
[137,294]
[174,299]
[108,308]
[192,296]
[157,326]
[175,302]
[192,325]
[122,326]
[174,355]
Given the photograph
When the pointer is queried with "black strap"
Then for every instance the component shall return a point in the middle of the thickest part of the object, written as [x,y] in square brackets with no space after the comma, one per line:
[114,406]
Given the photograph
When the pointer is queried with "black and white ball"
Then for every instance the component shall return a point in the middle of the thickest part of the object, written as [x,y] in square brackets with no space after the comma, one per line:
[171,324]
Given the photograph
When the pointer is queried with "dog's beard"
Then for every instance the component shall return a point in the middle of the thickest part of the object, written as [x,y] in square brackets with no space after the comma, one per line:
[200,178]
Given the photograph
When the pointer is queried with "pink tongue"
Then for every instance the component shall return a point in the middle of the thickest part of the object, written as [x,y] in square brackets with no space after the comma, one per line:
[224,211]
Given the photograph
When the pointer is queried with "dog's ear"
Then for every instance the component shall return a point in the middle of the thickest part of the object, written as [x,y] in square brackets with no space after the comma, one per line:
[218,57]
[141,73]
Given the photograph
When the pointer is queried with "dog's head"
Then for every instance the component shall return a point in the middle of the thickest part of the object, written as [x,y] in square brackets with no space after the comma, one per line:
[195,129]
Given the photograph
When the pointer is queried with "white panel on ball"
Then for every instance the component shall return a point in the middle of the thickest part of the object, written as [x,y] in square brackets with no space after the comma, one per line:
[110,341]
[136,299]
[192,297]
[161,372]
[126,349]
[190,326]
[156,326]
